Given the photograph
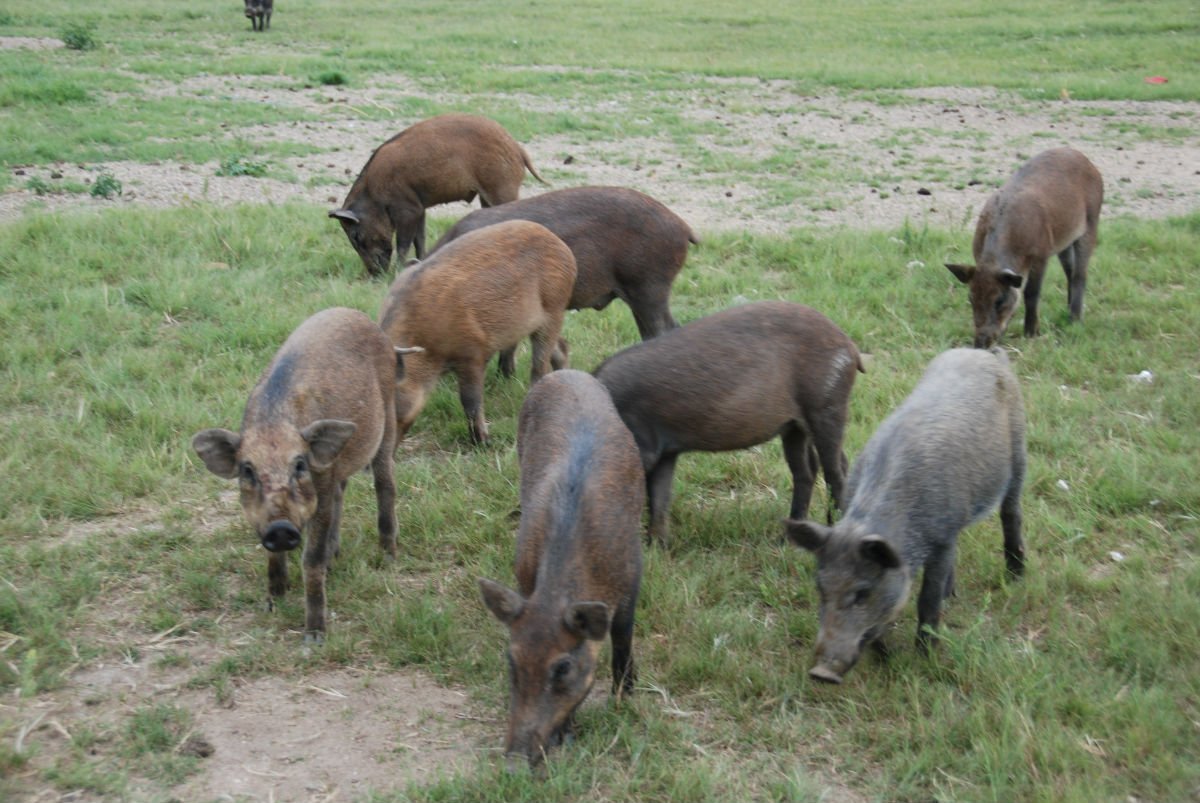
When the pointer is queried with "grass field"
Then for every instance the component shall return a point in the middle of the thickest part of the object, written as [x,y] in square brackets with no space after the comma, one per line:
[123,333]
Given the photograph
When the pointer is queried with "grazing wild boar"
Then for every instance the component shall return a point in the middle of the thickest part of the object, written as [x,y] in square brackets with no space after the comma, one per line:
[951,453]
[578,563]
[322,410]
[1050,206]
[451,157]
[474,297]
[734,379]
[626,245]
[259,12]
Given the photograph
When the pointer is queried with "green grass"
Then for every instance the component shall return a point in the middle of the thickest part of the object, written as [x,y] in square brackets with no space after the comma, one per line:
[1076,683]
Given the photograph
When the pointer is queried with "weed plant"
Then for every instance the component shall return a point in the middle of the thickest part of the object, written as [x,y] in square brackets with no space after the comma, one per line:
[126,332]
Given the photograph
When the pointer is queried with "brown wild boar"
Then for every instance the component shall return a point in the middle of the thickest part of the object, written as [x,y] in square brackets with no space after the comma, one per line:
[259,12]
[951,453]
[451,157]
[734,379]
[1050,206]
[322,410]
[578,562]
[474,297]
[626,245]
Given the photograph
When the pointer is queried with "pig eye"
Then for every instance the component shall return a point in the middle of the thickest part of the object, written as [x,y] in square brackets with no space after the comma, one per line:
[560,671]
[247,475]
[301,466]
[860,596]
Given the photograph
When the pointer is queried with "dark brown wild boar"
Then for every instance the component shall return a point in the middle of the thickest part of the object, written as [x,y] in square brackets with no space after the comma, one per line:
[626,245]
[951,453]
[1050,206]
[322,410]
[259,12]
[451,157]
[578,563]
[474,297]
[734,379]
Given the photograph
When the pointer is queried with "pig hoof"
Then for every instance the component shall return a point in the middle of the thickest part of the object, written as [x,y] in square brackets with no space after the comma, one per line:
[314,638]
[825,674]
[516,765]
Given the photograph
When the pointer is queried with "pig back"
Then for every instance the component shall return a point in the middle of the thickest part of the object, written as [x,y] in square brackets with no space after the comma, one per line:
[582,490]
[491,288]
[947,455]
[336,364]
[732,379]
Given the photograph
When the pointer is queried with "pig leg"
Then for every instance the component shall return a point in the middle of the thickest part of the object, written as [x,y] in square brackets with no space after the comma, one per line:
[798,452]
[544,342]
[1033,292]
[1074,260]
[470,393]
[651,311]
[317,556]
[1010,523]
[658,495]
[385,490]
[827,435]
[621,633]
[507,362]
[938,572]
[560,357]
[277,576]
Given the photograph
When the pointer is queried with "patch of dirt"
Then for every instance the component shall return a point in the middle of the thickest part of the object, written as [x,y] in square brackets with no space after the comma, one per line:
[30,43]
[931,155]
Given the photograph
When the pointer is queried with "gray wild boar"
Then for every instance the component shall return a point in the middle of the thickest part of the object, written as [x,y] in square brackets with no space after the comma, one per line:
[626,245]
[951,453]
[476,296]
[734,379]
[578,562]
[259,12]
[322,410]
[451,157]
[1050,206]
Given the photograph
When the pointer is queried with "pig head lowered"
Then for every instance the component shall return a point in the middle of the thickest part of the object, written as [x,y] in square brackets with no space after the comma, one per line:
[322,410]
[452,157]
[734,379]
[476,296]
[578,563]
[951,453]
[1050,206]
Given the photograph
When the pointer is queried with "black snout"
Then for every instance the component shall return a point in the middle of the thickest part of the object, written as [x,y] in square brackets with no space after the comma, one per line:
[281,536]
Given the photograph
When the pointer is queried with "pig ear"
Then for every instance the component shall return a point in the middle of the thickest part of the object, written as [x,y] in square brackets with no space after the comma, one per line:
[964,273]
[218,449]
[325,440]
[807,534]
[587,620]
[504,603]
[878,550]
[344,214]
[1010,278]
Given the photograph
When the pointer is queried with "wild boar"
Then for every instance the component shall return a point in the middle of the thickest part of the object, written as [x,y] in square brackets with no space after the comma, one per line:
[951,453]
[322,410]
[259,12]
[480,294]
[578,562]
[451,157]
[1050,206]
[626,245]
[734,379]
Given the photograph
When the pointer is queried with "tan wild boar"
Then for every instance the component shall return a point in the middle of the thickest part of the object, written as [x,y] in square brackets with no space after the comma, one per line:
[322,410]
[1050,206]
[451,157]
[481,294]
[579,559]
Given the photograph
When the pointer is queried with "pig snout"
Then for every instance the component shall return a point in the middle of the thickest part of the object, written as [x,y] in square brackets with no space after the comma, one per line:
[281,536]
[825,673]
[985,340]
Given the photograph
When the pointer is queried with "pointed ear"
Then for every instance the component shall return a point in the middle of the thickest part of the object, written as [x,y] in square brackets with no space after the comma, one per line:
[504,603]
[325,440]
[344,214]
[587,620]
[1010,278]
[806,534]
[218,449]
[964,273]
[877,550]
